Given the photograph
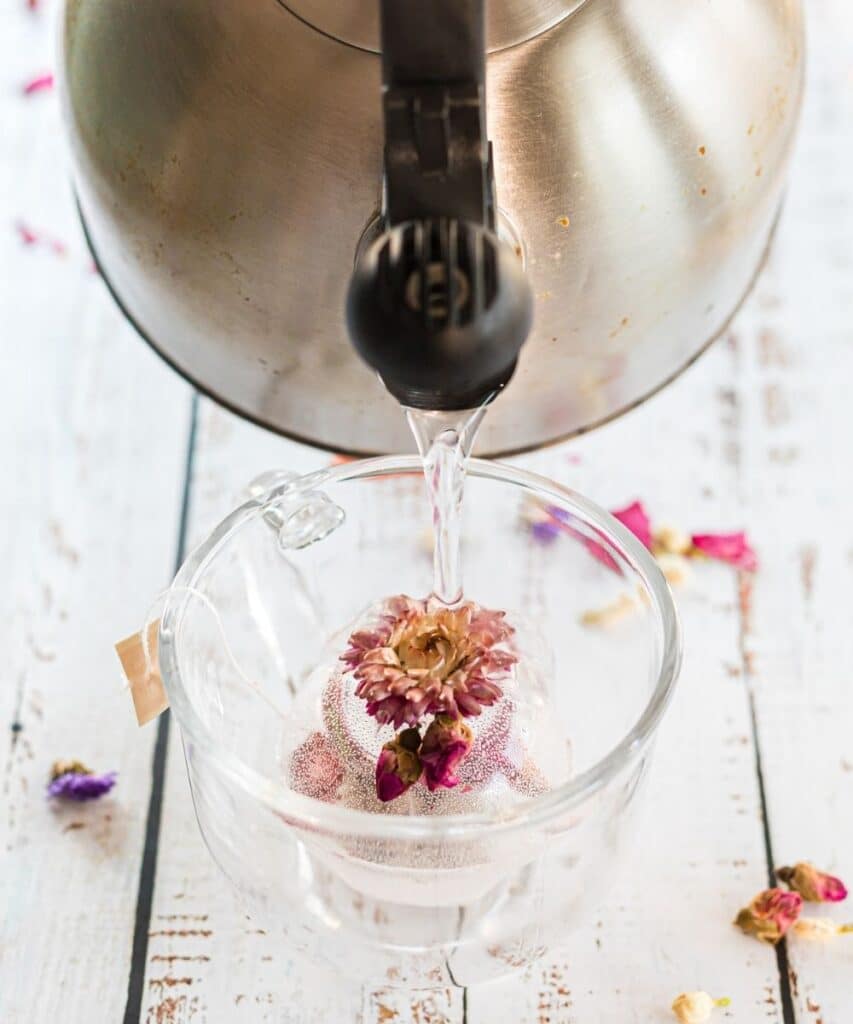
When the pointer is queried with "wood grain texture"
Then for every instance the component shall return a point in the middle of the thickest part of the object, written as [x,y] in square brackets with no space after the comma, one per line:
[93,431]
[666,926]
[92,428]
[793,363]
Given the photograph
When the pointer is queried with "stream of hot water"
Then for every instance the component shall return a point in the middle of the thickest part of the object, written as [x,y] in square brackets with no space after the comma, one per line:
[517,751]
[445,440]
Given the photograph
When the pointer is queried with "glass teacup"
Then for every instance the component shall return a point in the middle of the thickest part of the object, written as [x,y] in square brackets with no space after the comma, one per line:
[476,882]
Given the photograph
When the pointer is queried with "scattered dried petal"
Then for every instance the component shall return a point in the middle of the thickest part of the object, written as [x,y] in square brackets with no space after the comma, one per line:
[399,766]
[696,1007]
[636,519]
[770,914]
[446,743]
[733,548]
[820,928]
[72,780]
[623,605]
[669,540]
[675,568]
[547,522]
[40,83]
[28,236]
[813,885]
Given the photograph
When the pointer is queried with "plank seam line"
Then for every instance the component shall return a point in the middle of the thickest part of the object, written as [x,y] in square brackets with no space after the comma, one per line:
[148,867]
[782,961]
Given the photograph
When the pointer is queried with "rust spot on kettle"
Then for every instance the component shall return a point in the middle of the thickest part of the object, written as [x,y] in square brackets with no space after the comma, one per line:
[702,151]
[564,222]
[623,323]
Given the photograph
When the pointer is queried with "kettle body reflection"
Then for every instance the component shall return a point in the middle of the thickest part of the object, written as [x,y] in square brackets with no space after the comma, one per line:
[229,167]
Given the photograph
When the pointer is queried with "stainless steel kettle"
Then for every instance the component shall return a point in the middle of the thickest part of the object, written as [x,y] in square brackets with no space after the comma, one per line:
[229,171]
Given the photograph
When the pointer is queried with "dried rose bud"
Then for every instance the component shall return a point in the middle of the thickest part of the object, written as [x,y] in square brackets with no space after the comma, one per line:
[770,914]
[813,885]
[733,548]
[399,766]
[696,1007]
[820,928]
[446,742]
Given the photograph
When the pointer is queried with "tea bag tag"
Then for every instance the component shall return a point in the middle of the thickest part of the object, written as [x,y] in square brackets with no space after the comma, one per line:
[142,671]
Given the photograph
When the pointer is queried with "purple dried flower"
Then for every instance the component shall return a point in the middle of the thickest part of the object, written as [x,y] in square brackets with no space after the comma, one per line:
[72,780]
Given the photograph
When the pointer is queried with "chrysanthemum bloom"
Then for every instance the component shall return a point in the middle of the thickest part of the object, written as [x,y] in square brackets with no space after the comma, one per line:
[813,885]
[770,914]
[424,658]
[72,780]
[820,928]
[696,1007]
[446,742]
[399,766]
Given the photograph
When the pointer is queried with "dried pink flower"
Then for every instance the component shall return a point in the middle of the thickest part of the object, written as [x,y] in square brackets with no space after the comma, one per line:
[72,780]
[635,518]
[446,742]
[40,83]
[770,914]
[425,658]
[399,766]
[733,548]
[813,885]
[315,768]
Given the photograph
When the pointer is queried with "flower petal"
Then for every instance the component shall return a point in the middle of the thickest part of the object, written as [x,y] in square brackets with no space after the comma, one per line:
[636,519]
[733,548]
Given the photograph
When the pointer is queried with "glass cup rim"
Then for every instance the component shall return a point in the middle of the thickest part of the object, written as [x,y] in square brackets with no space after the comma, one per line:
[314,814]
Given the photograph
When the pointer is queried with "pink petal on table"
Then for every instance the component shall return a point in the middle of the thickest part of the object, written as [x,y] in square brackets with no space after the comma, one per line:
[26,234]
[733,548]
[41,83]
[635,518]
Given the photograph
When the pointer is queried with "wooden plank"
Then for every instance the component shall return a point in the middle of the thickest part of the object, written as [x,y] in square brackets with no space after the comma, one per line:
[707,806]
[666,926]
[92,432]
[207,962]
[793,362]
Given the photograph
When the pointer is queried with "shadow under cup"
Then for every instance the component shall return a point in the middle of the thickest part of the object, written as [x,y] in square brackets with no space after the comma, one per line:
[471,890]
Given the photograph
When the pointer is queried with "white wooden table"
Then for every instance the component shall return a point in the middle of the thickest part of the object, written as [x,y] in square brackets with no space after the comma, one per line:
[114,912]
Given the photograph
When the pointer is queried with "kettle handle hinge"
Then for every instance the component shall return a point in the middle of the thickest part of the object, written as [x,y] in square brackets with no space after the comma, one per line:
[438,160]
